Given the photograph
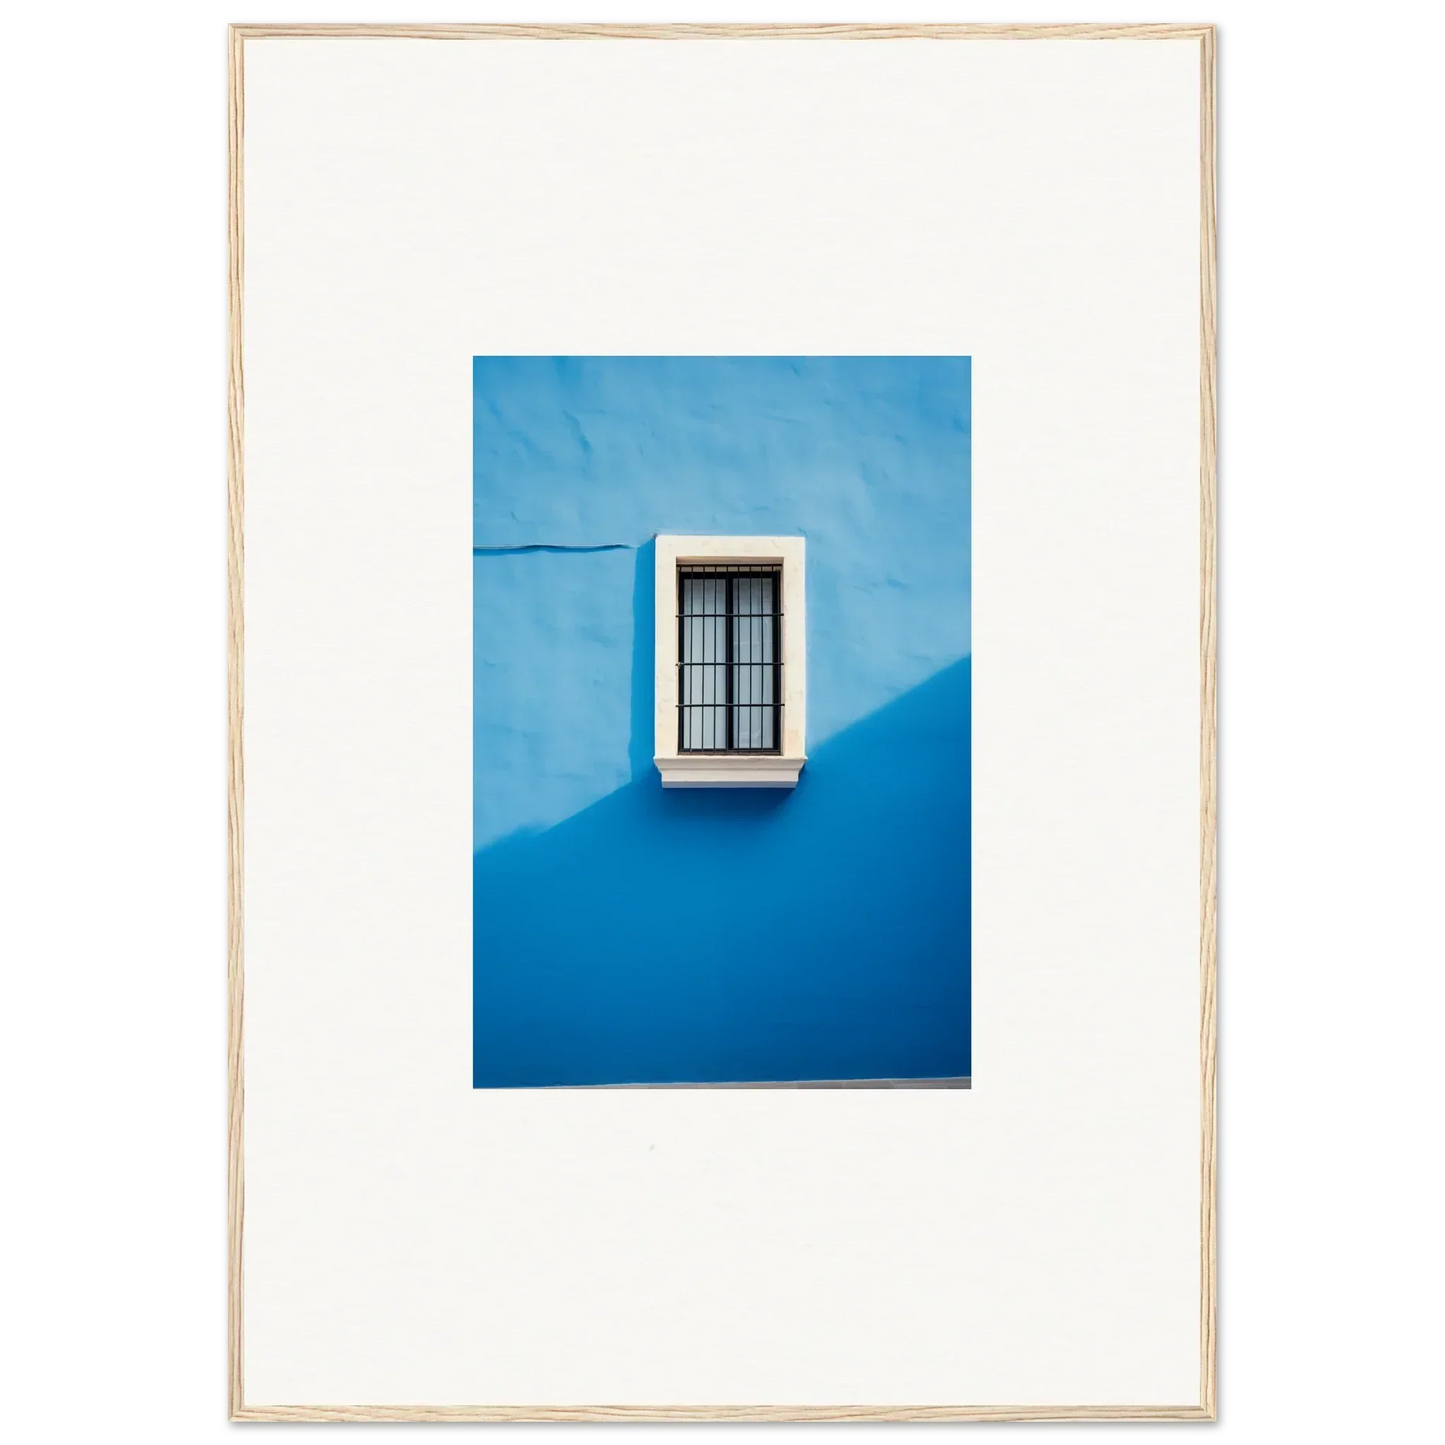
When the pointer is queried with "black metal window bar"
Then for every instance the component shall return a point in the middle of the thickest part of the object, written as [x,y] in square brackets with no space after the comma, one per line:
[729,658]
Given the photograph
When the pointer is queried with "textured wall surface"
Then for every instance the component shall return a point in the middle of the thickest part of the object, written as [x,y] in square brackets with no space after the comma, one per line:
[628,934]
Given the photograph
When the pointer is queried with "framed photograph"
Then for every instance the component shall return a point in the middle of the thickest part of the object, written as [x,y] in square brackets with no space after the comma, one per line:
[722,722]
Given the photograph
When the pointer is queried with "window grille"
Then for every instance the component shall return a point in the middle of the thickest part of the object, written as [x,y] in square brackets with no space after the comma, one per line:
[730,686]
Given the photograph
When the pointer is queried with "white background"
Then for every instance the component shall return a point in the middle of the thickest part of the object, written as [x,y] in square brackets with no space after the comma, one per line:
[411,1240]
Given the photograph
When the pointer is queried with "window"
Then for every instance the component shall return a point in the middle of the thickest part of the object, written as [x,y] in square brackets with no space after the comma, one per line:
[730,664]
[729,658]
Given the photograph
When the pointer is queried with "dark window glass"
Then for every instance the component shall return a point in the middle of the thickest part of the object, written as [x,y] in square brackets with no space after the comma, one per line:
[729,690]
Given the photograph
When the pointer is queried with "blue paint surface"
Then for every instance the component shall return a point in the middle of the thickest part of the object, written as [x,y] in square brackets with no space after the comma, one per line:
[674,936]
[868,457]
[627,934]
[552,720]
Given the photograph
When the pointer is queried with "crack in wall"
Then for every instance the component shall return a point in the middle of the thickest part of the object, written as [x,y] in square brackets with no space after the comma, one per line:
[549,547]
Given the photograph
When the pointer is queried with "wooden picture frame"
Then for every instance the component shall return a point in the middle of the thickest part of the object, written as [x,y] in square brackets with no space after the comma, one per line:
[1205,1406]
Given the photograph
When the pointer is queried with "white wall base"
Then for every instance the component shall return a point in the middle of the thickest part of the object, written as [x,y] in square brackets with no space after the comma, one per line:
[729,770]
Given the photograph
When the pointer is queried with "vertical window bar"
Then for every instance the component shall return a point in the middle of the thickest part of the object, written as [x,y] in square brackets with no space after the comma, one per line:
[775,589]
[757,696]
[745,628]
[717,643]
[682,738]
[778,661]
[684,690]
[737,623]
[763,654]
[745,631]
[762,591]
[729,608]
[715,602]
[754,601]
[759,651]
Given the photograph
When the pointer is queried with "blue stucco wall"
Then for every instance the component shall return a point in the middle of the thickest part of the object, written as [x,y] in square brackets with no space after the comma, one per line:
[627,934]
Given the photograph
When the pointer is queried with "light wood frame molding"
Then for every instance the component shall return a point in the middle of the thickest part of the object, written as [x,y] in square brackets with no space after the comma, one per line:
[1200,33]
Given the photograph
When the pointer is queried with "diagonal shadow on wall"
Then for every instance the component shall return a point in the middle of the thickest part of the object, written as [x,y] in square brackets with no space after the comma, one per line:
[742,935]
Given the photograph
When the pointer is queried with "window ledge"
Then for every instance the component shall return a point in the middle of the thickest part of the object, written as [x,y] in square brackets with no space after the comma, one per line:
[729,770]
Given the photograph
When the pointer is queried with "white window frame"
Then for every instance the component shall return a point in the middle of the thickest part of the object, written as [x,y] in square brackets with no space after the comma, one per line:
[732,770]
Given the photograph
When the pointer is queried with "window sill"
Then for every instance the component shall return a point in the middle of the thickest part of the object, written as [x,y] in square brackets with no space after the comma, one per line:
[729,770]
